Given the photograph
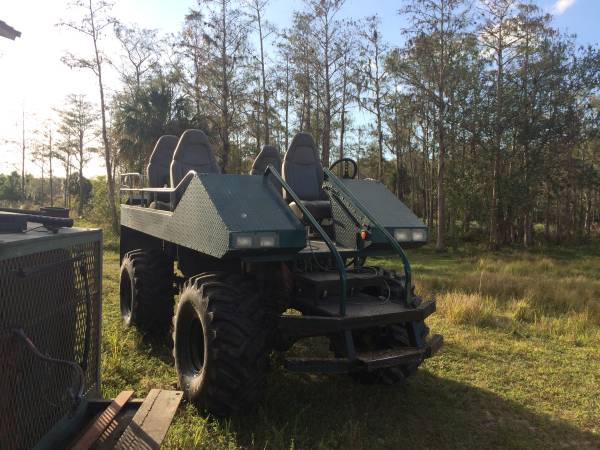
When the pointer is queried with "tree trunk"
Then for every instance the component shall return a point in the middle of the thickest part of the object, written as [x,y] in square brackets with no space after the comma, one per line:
[440,244]
[23,156]
[264,78]
[80,205]
[225,92]
[50,161]
[110,181]
[287,103]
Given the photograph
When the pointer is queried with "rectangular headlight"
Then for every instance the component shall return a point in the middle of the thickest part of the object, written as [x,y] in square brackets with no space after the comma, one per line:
[242,241]
[402,234]
[419,234]
[267,240]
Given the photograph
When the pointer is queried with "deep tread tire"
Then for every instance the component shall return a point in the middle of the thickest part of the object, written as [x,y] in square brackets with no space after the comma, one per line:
[220,340]
[146,291]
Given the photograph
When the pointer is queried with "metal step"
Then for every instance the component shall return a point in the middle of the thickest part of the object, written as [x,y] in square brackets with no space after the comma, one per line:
[366,360]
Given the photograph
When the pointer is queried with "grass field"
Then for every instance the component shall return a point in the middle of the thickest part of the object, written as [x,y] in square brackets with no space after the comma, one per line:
[520,367]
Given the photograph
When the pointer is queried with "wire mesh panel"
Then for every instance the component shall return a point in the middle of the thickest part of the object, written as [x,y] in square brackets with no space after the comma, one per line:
[347,220]
[50,309]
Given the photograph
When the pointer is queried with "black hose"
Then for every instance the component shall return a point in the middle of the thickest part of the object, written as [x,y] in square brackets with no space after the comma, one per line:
[47,221]
[77,394]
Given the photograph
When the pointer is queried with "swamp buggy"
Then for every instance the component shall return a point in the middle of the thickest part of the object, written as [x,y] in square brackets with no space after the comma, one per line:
[264,260]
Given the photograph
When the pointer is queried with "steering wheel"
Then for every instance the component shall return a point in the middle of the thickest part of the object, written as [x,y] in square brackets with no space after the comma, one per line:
[347,162]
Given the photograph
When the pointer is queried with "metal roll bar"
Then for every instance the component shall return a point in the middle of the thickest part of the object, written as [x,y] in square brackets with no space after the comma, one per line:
[394,243]
[339,262]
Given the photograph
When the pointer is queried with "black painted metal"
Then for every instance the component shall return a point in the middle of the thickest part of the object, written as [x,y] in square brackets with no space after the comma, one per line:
[295,327]
[366,360]
[52,223]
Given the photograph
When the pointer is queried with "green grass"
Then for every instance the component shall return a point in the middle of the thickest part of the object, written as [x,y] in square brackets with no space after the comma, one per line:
[520,367]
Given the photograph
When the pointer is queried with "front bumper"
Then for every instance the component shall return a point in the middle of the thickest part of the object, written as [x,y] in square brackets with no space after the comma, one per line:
[368,361]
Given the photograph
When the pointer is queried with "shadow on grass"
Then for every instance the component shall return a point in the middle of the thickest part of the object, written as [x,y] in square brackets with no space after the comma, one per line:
[304,411]
[157,345]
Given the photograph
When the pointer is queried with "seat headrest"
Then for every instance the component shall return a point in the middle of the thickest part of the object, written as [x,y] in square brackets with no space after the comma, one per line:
[194,149]
[302,150]
[268,155]
[302,168]
[160,161]
[163,150]
[193,152]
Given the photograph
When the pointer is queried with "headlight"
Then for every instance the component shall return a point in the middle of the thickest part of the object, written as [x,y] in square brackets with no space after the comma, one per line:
[242,241]
[410,234]
[419,234]
[267,240]
[254,240]
[402,234]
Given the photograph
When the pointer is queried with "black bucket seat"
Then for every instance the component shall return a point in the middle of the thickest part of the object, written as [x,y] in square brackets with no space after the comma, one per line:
[303,171]
[193,152]
[159,167]
[268,155]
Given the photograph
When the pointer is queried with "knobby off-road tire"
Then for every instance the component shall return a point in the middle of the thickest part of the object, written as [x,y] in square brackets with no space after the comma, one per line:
[220,340]
[146,291]
[406,334]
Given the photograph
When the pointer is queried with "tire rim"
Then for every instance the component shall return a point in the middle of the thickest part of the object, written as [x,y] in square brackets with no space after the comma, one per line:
[126,294]
[196,345]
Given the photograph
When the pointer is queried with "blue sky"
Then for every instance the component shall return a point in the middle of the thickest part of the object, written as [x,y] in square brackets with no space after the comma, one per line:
[32,76]
[579,16]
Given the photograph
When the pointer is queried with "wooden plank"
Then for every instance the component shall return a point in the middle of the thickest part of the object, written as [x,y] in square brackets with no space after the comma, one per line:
[149,426]
[95,430]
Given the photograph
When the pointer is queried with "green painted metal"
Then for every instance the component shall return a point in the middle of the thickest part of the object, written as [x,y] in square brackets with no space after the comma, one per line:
[383,205]
[339,262]
[215,207]
[395,245]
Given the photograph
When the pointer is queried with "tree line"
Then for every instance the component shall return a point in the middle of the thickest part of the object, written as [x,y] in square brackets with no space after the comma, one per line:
[484,121]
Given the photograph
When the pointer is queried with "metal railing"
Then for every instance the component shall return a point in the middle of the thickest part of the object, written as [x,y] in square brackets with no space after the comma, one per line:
[335,181]
[339,262]
[171,191]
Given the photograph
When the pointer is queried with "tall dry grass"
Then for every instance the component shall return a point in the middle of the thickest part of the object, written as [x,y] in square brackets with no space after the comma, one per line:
[550,295]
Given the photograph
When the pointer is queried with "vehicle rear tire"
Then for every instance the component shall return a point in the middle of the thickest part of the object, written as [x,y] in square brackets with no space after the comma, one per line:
[146,291]
[220,340]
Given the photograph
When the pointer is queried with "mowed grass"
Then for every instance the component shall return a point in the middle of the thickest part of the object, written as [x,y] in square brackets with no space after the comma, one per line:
[520,367]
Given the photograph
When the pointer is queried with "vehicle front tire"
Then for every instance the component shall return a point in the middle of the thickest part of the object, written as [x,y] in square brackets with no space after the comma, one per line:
[146,291]
[221,343]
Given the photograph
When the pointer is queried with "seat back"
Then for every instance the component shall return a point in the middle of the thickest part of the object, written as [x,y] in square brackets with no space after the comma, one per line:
[268,155]
[193,152]
[302,168]
[159,166]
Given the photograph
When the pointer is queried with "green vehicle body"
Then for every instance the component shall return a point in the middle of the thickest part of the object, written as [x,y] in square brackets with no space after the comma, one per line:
[243,224]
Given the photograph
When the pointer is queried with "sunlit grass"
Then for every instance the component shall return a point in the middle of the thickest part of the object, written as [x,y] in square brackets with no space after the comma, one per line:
[520,367]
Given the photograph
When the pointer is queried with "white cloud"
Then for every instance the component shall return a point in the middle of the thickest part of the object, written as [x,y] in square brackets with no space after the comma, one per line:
[560,6]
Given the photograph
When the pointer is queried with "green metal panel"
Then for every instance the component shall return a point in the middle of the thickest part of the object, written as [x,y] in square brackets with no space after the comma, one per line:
[385,208]
[216,206]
